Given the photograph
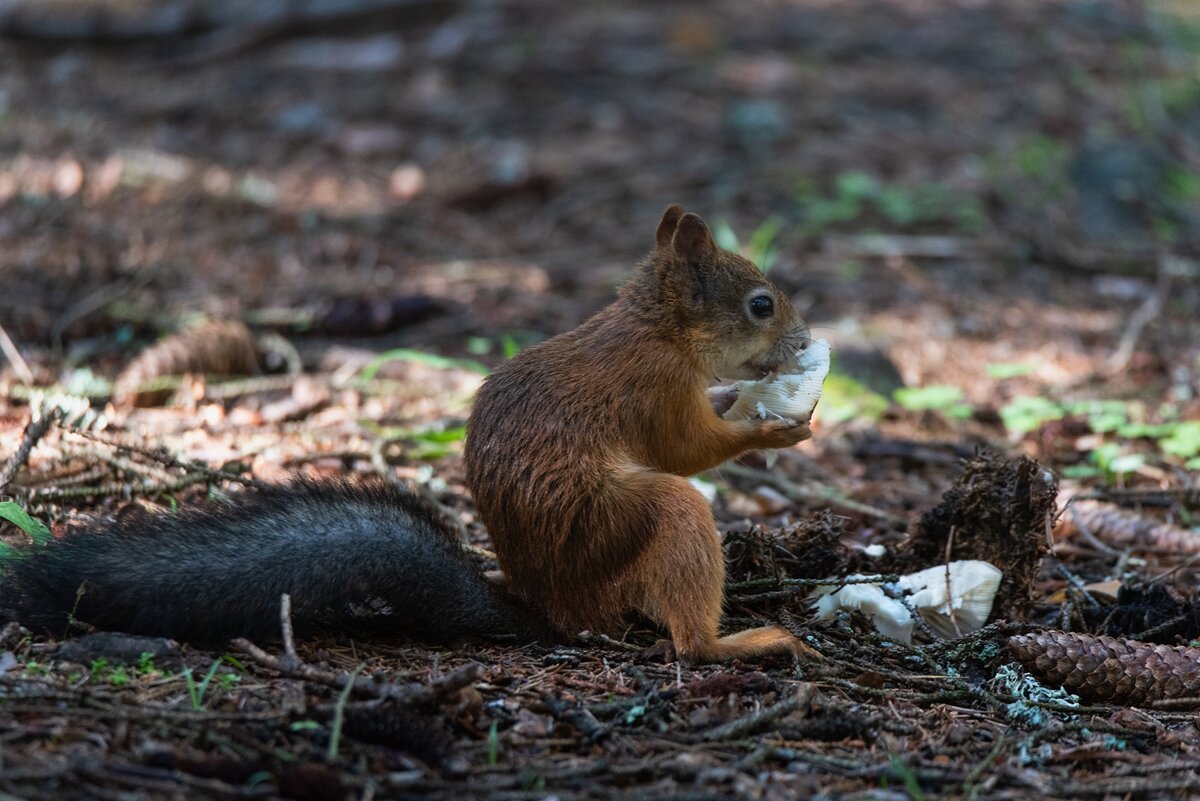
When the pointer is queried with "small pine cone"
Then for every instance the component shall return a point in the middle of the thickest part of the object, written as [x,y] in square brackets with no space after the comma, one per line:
[1122,528]
[216,347]
[1099,668]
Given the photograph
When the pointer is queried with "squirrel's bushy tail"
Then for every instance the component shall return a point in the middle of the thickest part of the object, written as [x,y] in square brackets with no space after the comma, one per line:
[351,556]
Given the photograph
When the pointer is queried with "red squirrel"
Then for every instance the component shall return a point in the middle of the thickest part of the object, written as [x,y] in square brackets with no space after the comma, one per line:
[578,448]
[578,451]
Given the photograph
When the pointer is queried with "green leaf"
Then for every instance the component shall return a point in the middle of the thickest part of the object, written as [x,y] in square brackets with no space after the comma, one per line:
[1149,430]
[939,397]
[509,346]
[36,529]
[454,434]
[960,411]
[493,744]
[1026,413]
[1126,463]
[760,249]
[1004,370]
[1184,442]
[419,357]
[856,185]
[897,205]
[843,398]
[479,346]
[1107,421]
[725,236]
[305,725]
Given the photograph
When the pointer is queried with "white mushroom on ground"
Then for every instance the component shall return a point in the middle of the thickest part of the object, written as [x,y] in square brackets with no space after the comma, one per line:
[953,599]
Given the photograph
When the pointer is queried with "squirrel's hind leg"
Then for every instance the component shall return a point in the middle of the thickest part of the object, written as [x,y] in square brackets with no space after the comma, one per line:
[681,577]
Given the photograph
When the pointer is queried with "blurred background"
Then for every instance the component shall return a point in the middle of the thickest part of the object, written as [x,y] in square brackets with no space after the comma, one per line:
[995,204]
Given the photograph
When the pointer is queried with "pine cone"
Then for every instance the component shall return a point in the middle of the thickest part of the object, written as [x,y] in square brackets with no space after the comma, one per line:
[216,347]
[1122,528]
[1099,668]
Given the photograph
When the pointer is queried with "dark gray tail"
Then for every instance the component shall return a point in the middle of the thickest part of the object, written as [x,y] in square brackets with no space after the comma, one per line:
[352,557]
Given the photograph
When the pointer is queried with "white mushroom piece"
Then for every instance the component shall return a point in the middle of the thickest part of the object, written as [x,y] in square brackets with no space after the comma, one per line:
[791,393]
[953,599]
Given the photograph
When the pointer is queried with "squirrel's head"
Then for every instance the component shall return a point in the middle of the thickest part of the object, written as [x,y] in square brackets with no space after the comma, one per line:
[741,323]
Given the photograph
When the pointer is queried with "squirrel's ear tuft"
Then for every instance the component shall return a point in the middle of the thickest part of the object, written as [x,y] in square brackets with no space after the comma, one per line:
[693,242]
[666,226]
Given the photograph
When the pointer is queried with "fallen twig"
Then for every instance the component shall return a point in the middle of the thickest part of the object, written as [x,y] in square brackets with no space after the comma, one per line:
[753,722]
[818,495]
[370,686]
[34,431]
[834,581]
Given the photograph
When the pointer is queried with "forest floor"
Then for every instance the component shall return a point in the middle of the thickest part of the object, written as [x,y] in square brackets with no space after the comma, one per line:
[991,210]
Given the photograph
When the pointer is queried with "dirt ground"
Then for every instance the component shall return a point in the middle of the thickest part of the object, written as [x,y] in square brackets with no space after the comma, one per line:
[997,196]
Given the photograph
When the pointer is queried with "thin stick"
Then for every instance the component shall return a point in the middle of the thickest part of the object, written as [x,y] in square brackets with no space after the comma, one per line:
[831,581]
[949,592]
[376,688]
[821,495]
[19,365]
[751,723]
[285,627]
[34,431]
[163,457]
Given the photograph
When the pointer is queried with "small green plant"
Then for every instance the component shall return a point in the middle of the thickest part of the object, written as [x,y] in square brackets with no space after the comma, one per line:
[1182,186]
[1121,420]
[305,725]
[856,194]
[481,346]
[908,778]
[419,357]
[493,745]
[1002,371]
[843,398]
[427,443]
[119,676]
[33,669]
[197,690]
[1183,440]
[436,444]
[1026,413]
[146,666]
[35,529]
[1043,160]
[937,397]
[1109,460]
[116,675]
[761,248]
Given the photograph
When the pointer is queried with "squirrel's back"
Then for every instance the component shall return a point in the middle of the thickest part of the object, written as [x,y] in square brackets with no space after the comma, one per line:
[351,555]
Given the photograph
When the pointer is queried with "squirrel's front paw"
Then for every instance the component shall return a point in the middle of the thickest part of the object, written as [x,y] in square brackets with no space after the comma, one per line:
[783,433]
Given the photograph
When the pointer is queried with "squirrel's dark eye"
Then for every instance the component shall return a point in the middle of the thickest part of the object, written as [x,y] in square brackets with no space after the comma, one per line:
[762,307]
